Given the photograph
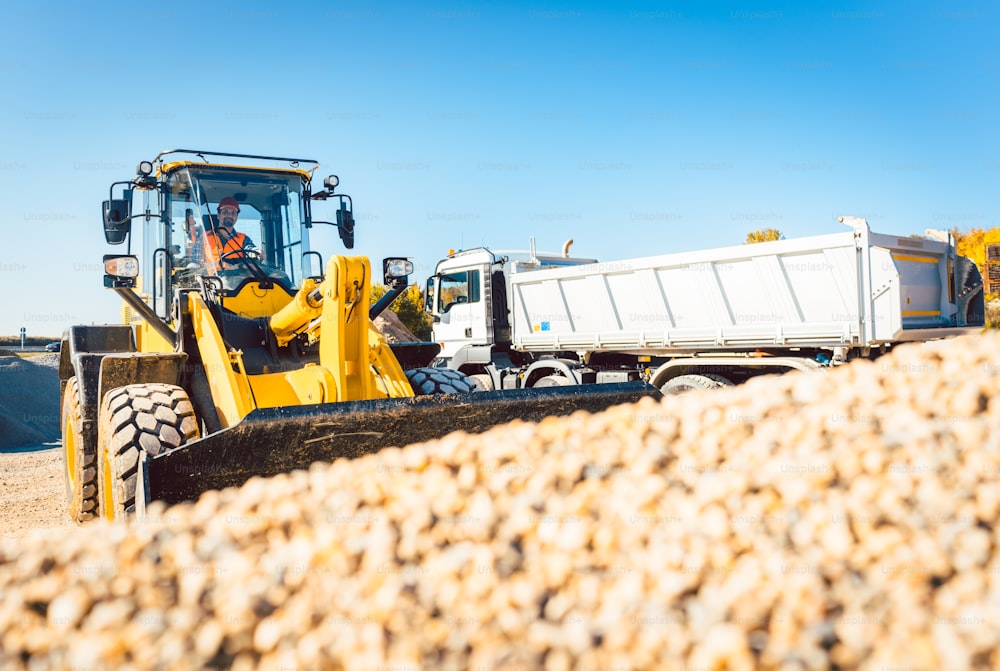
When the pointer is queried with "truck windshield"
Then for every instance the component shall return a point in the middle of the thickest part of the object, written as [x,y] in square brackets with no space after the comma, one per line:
[219,218]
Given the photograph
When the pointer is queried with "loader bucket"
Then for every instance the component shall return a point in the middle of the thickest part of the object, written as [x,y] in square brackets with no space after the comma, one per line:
[278,440]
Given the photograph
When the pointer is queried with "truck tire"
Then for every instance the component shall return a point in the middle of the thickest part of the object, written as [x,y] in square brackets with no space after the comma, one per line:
[482,381]
[721,381]
[554,380]
[439,381]
[684,383]
[138,419]
[80,459]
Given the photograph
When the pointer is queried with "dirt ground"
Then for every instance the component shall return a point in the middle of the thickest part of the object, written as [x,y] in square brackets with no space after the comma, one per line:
[32,493]
[32,490]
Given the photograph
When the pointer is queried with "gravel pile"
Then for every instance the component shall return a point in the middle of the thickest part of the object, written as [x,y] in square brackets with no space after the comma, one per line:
[840,520]
[29,400]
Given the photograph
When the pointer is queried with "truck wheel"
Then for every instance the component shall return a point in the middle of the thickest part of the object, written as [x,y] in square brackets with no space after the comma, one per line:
[79,458]
[721,381]
[482,381]
[135,420]
[553,381]
[683,383]
[439,381]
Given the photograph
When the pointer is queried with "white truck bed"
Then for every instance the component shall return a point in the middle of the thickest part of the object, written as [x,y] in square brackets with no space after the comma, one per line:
[853,289]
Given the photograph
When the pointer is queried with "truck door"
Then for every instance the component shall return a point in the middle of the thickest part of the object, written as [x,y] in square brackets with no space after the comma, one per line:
[461,310]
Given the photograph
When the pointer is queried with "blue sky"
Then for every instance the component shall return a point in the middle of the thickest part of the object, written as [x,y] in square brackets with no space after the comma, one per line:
[634,128]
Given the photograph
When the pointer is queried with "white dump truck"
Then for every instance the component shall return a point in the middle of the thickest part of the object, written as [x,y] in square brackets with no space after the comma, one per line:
[699,319]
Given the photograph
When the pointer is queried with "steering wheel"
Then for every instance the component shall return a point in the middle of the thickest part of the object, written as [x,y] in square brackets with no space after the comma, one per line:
[238,254]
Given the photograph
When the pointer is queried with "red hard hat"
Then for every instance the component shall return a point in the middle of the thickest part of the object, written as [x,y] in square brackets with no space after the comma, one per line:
[231,202]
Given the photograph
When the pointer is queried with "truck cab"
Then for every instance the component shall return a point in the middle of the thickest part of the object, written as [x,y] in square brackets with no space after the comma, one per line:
[467,301]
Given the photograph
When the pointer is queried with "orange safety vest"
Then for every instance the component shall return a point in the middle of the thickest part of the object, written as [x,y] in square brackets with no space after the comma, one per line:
[215,248]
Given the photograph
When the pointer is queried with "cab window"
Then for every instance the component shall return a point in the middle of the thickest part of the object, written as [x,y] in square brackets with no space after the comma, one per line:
[458,288]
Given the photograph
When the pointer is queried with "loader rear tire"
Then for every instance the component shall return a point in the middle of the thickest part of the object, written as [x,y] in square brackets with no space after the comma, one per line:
[685,383]
[138,421]
[79,458]
[439,381]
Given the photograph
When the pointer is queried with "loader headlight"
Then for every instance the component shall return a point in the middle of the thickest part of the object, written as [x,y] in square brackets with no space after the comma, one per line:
[144,169]
[395,269]
[121,266]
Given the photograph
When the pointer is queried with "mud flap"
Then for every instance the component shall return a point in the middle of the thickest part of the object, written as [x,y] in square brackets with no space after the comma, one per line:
[278,440]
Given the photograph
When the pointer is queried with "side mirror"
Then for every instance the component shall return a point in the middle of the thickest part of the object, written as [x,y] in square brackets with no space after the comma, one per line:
[116,215]
[429,295]
[345,224]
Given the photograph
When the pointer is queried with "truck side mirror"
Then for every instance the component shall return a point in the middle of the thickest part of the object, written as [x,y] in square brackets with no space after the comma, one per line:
[345,224]
[429,295]
[116,220]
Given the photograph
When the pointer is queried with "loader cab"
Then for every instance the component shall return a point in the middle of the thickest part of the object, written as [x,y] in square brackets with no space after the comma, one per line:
[251,261]
[250,265]
[264,244]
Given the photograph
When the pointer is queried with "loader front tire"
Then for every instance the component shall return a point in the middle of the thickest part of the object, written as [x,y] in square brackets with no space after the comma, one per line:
[138,421]
[79,458]
[439,381]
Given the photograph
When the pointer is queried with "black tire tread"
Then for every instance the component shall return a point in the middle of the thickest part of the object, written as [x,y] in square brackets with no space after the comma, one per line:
[439,381]
[81,486]
[137,418]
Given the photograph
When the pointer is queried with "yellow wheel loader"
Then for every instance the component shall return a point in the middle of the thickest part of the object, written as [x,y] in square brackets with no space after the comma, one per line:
[243,351]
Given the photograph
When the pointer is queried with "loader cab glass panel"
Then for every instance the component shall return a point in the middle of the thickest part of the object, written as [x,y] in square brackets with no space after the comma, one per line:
[221,221]
[457,289]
